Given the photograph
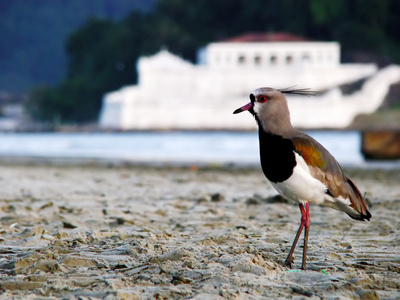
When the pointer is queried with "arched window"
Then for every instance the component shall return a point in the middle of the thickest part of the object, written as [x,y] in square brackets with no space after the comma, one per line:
[273,60]
[257,60]
[289,60]
[242,60]
[306,58]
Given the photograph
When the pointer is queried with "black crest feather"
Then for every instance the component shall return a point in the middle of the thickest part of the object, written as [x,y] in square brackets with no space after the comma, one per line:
[302,92]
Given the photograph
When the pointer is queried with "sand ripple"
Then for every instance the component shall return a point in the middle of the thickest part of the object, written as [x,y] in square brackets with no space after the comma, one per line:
[148,233]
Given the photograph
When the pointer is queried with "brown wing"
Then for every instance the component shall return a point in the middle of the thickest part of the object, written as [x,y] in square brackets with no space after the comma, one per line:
[326,169]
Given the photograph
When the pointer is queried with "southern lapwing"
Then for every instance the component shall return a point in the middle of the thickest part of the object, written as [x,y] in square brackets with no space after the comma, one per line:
[297,166]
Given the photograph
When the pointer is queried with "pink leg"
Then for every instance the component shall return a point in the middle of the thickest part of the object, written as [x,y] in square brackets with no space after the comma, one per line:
[305,222]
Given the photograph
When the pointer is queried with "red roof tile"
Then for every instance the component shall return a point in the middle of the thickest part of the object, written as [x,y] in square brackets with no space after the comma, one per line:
[266,37]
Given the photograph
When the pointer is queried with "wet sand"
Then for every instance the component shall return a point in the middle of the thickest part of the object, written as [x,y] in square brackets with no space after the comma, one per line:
[94,232]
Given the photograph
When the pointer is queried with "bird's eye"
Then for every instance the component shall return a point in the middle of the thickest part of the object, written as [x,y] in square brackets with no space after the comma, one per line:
[262,99]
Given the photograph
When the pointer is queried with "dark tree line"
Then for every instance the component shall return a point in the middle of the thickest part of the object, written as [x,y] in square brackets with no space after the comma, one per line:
[103,53]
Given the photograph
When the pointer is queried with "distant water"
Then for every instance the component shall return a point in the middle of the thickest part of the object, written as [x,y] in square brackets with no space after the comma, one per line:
[165,147]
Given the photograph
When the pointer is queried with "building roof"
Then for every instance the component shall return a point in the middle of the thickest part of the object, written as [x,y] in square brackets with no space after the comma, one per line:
[266,37]
[165,59]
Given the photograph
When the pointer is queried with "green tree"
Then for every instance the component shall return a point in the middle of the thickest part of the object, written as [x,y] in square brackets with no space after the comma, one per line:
[103,53]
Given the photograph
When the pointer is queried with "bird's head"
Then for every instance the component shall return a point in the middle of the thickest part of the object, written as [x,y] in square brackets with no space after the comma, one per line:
[261,99]
[270,108]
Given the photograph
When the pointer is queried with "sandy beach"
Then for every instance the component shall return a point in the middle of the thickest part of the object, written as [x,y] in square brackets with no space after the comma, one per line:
[98,232]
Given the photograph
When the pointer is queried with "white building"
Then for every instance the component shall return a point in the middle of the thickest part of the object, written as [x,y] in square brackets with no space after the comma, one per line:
[175,94]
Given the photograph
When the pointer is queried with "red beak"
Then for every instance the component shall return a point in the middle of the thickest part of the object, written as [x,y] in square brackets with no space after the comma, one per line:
[243,108]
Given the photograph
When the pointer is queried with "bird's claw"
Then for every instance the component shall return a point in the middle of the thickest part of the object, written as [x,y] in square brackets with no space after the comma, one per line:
[288,262]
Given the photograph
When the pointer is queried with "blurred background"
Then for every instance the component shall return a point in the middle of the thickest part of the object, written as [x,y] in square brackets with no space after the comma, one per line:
[103,79]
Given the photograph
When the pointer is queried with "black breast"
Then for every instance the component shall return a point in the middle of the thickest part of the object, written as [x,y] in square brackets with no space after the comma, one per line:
[277,156]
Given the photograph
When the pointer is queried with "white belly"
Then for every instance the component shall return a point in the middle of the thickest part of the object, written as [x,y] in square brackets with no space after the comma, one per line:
[301,186]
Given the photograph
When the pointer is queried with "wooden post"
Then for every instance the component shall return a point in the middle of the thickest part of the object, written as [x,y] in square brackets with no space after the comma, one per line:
[381,144]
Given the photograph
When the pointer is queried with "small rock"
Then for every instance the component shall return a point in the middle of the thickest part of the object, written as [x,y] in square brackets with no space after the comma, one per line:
[252,201]
[178,279]
[240,227]
[68,225]
[217,197]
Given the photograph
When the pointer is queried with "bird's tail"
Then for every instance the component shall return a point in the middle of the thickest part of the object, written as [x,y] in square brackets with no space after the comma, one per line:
[358,204]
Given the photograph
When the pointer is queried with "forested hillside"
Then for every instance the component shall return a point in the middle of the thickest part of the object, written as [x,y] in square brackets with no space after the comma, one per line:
[102,53]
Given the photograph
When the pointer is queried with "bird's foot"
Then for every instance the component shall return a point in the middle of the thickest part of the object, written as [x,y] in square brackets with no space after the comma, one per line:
[288,262]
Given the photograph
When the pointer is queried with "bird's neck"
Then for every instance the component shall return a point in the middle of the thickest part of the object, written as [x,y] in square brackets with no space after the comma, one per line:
[279,125]
[276,156]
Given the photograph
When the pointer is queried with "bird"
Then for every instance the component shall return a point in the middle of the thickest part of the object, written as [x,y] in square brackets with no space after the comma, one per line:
[297,165]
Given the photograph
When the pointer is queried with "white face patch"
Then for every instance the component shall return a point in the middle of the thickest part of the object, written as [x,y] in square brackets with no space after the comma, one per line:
[257,107]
